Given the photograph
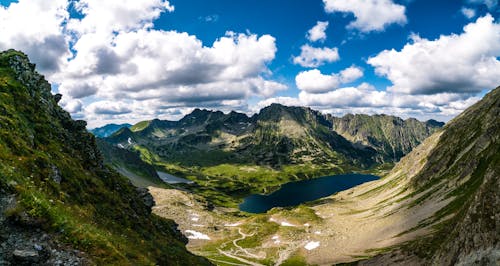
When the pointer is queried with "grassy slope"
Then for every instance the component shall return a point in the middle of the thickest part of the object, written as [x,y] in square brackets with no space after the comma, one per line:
[92,208]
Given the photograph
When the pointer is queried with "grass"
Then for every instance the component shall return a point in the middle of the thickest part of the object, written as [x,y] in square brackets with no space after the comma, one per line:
[89,207]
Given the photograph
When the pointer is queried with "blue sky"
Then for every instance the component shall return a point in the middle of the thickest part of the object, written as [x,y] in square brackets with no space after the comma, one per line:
[127,61]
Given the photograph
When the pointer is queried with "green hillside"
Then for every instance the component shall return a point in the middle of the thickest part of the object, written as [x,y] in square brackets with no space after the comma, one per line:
[55,180]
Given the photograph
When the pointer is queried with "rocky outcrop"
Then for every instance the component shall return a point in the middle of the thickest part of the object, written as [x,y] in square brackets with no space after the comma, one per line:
[57,198]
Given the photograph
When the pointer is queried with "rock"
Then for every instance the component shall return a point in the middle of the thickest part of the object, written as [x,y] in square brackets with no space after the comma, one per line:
[56,174]
[57,97]
[146,197]
[25,256]
[38,247]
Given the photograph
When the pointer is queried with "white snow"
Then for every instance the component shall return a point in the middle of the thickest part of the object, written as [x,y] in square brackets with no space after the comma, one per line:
[191,234]
[129,140]
[311,245]
[285,223]
[121,146]
[233,225]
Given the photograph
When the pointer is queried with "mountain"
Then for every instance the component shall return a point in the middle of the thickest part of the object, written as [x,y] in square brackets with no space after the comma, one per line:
[58,202]
[391,136]
[240,154]
[108,130]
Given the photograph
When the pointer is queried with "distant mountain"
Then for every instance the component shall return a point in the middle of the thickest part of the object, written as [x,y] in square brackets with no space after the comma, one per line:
[290,142]
[58,202]
[392,137]
[108,130]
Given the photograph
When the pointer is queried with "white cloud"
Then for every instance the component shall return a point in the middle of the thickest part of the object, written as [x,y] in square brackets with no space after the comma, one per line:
[34,26]
[317,33]
[465,63]
[350,74]
[109,108]
[314,57]
[371,15]
[106,17]
[313,81]
[468,12]
[118,58]
[366,99]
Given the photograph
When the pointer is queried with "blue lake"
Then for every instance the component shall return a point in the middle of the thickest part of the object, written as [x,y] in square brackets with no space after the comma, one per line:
[295,193]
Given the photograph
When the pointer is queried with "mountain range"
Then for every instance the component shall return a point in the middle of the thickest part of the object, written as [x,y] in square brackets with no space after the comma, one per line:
[286,143]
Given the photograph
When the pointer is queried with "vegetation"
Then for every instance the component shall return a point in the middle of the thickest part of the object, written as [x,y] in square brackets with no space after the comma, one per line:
[53,167]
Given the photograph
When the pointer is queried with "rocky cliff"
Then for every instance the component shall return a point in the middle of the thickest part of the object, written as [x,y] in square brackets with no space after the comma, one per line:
[59,204]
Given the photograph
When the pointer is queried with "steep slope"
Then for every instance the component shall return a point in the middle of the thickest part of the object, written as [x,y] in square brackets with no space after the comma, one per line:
[391,136]
[53,185]
[129,164]
[108,130]
[443,197]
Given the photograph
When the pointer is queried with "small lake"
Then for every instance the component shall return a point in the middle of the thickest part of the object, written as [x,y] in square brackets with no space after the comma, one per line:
[296,193]
[168,178]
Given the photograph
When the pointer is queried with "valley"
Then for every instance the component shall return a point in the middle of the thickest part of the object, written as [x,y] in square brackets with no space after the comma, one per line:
[229,156]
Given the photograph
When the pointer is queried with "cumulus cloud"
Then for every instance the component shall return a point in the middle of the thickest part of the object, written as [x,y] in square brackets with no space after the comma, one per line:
[173,66]
[109,108]
[366,99]
[371,15]
[313,81]
[457,63]
[317,33]
[35,26]
[314,57]
[468,12]
[117,56]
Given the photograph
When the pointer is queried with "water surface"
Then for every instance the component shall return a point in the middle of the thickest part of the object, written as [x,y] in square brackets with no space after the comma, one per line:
[168,178]
[295,193]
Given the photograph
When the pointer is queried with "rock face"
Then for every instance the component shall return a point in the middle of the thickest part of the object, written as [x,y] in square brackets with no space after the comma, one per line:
[392,137]
[57,198]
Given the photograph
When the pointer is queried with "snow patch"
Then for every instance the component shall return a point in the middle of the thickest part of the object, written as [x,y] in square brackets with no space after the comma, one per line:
[285,223]
[129,140]
[233,225]
[191,234]
[311,245]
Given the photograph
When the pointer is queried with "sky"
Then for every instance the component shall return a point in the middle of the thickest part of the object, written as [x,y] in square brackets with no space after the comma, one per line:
[121,61]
